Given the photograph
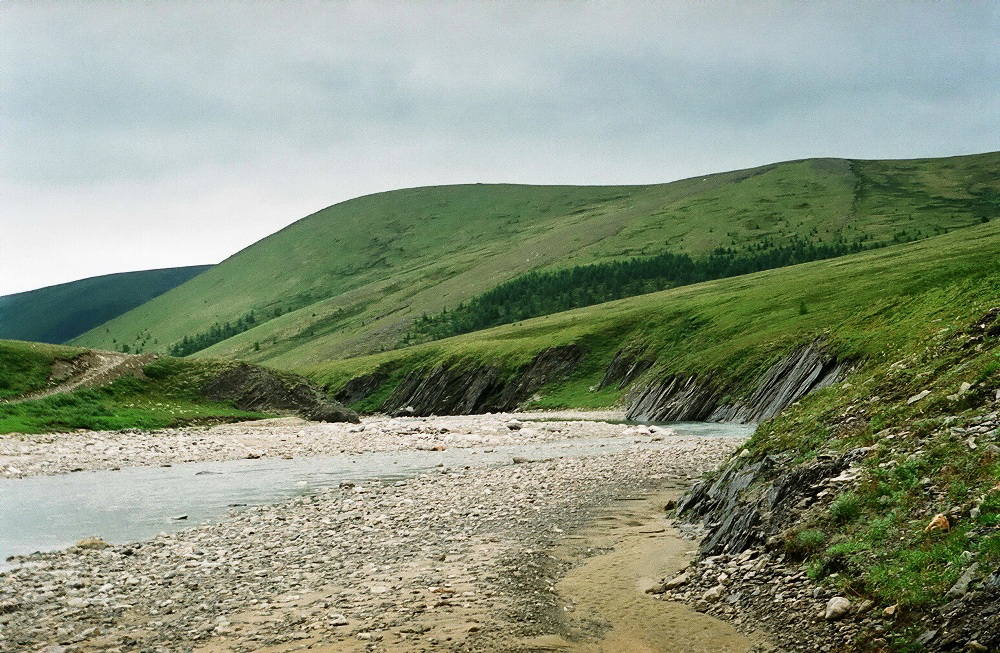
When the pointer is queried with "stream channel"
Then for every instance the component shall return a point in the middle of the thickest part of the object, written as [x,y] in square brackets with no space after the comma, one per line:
[48,513]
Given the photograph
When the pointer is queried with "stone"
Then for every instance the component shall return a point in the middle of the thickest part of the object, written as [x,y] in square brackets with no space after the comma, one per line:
[961,586]
[91,544]
[677,581]
[917,397]
[712,595]
[836,608]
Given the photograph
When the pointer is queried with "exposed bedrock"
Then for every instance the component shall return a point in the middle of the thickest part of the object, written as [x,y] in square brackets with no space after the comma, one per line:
[687,398]
[748,505]
[464,390]
[254,388]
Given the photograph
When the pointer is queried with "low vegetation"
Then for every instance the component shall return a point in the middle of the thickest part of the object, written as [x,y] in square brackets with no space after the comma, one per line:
[927,502]
[365,269]
[56,314]
[168,395]
[729,330]
[26,366]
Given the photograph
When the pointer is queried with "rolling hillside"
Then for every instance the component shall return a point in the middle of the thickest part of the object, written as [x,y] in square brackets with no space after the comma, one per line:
[866,306]
[350,279]
[56,314]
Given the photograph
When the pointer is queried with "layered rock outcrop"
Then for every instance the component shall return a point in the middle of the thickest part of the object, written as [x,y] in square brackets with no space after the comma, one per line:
[689,398]
[479,388]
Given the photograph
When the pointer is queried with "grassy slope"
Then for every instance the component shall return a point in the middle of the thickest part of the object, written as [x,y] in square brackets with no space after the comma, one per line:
[25,366]
[59,313]
[358,271]
[733,329]
[168,397]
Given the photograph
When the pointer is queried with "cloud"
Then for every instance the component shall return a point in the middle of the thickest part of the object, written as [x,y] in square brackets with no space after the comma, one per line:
[149,114]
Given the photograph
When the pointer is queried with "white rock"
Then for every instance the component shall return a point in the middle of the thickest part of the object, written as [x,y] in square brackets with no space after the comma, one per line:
[836,608]
[677,581]
[713,594]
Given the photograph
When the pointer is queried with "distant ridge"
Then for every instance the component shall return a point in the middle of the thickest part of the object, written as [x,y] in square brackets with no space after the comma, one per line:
[55,314]
[356,277]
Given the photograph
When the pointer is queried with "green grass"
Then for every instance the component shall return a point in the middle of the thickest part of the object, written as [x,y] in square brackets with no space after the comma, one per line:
[59,313]
[367,267]
[865,306]
[25,366]
[169,396]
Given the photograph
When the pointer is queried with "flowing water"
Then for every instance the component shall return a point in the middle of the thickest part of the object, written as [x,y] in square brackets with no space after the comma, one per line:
[45,513]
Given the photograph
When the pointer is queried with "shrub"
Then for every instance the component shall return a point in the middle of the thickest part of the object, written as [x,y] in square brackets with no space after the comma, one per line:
[846,508]
[804,543]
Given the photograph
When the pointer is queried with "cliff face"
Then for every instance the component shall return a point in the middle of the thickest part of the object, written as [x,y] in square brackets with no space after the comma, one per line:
[464,390]
[686,398]
[738,520]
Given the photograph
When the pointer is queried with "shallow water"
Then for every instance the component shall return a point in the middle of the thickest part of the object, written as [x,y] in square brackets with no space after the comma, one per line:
[45,513]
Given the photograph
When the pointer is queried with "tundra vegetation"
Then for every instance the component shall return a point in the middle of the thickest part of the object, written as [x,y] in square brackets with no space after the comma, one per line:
[367,268]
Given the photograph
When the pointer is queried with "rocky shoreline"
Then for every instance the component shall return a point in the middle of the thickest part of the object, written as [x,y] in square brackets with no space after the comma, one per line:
[32,455]
[454,560]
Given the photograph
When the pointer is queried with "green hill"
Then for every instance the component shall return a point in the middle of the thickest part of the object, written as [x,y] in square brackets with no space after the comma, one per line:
[351,278]
[52,388]
[866,306]
[56,314]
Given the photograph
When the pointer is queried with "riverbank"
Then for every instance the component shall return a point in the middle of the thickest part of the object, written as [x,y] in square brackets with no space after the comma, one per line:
[466,559]
[32,455]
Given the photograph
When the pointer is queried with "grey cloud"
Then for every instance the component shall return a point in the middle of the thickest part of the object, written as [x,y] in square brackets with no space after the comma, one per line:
[353,97]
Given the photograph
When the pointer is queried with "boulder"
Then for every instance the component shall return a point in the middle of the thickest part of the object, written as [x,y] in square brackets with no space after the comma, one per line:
[836,608]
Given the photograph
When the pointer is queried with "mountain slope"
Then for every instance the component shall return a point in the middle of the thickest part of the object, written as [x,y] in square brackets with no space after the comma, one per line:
[59,313]
[863,307]
[351,278]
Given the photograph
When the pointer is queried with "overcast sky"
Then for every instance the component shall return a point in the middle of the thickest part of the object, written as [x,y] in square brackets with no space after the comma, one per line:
[137,135]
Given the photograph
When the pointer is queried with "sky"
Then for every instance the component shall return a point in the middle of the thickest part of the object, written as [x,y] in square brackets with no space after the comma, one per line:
[141,135]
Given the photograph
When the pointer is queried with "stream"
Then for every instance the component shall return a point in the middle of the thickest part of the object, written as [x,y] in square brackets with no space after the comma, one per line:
[46,513]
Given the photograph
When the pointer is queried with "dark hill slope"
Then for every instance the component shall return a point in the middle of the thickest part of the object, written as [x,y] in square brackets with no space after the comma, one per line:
[56,314]
[351,278]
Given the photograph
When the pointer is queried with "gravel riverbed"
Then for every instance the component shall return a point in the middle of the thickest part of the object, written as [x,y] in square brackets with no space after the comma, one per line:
[451,560]
[31,455]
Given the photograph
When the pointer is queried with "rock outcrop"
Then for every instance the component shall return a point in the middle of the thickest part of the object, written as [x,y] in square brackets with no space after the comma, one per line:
[687,398]
[625,368]
[360,387]
[254,388]
[464,390]
[747,505]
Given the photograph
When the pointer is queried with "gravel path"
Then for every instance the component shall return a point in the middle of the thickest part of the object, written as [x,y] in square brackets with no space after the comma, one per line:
[455,560]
